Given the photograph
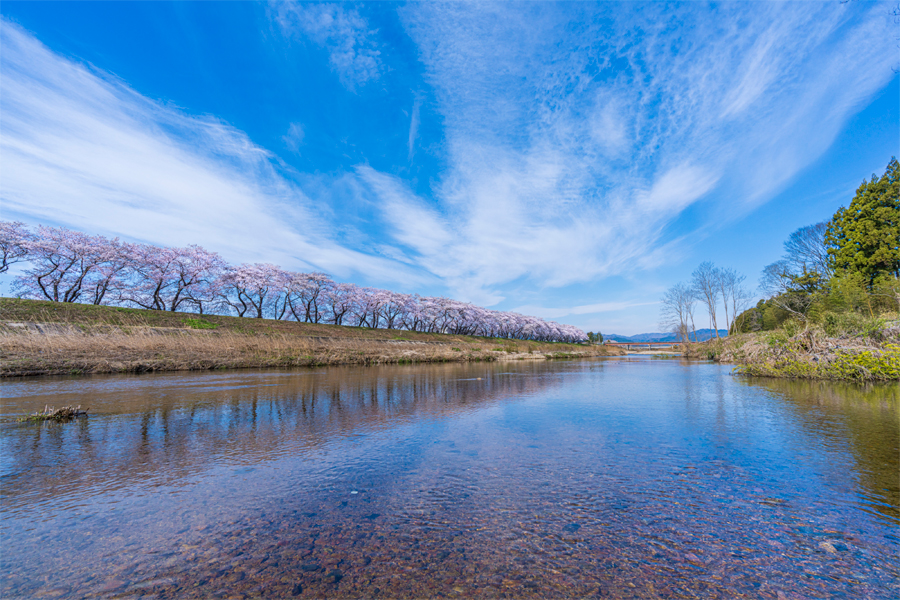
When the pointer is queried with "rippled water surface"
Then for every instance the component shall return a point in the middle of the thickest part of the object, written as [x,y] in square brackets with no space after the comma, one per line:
[627,477]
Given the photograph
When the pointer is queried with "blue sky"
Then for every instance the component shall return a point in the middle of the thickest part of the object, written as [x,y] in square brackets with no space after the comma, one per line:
[566,160]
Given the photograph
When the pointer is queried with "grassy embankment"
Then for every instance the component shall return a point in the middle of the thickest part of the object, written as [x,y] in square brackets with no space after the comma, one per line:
[855,350]
[49,338]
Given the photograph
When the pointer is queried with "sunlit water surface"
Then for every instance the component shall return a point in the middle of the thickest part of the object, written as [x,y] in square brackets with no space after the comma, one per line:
[627,477]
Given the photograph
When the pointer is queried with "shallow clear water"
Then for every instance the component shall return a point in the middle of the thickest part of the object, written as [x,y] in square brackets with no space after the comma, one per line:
[626,477]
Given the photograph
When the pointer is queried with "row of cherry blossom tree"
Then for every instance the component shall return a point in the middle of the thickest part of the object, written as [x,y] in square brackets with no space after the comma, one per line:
[71,266]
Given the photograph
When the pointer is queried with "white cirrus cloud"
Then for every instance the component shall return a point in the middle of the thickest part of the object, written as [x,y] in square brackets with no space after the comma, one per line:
[578,137]
[338,28]
[584,309]
[413,128]
[293,139]
[81,149]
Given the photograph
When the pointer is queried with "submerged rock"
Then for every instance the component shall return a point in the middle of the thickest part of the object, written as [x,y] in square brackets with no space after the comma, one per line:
[828,547]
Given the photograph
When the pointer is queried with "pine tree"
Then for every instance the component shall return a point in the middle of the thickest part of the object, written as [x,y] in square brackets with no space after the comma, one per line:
[865,238]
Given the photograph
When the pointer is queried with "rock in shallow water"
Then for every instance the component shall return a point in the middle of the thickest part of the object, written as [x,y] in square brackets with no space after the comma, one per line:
[828,547]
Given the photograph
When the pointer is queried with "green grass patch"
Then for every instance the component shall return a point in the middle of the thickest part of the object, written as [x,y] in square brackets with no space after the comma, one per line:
[199,324]
[868,365]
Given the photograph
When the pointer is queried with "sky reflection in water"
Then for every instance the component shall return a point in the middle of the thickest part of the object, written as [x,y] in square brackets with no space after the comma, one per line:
[625,477]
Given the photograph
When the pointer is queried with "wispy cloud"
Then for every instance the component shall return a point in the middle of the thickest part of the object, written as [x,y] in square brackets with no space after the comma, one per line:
[414,127]
[577,135]
[294,137]
[584,309]
[82,149]
[341,30]
[553,144]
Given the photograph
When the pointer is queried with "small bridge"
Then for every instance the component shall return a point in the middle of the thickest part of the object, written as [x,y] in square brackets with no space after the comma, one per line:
[644,345]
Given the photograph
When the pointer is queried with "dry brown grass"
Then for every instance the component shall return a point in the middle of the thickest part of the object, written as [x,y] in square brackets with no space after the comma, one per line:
[146,349]
[117,342]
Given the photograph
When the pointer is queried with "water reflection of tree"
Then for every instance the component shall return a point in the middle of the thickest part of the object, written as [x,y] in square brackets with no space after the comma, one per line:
[867,416]
[169,437]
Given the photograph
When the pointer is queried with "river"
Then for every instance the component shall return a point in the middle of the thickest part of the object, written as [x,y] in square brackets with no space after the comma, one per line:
[629,477]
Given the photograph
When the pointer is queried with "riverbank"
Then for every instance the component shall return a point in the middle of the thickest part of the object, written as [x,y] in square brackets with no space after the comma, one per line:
[673,351]
[809,354]
[50,338]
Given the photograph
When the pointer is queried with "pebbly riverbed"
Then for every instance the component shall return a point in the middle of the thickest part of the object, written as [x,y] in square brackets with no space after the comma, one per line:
[633,477]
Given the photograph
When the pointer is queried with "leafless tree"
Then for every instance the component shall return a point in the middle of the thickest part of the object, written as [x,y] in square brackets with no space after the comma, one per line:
[705,284]
[793,282]
[789,291]
[731,286]
[774,278]
[678,311]
[805,249]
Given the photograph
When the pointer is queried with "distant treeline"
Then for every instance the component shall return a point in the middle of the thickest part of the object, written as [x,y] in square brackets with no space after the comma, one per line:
[842,274]
[701,335]
[71,266]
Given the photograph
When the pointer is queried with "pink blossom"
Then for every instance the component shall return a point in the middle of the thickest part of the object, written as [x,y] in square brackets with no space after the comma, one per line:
[68,266]
[14,237]
[61,261]
[259,289]
[172,278]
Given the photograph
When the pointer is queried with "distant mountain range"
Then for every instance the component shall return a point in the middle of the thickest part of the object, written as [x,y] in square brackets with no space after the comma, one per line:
[701,336]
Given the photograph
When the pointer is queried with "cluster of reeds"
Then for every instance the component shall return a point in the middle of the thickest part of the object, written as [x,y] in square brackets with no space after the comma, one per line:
[60,415]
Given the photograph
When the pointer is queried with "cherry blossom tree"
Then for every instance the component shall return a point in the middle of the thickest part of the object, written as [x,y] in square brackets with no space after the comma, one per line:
[172,278]
[258,289]
[199,273]
[68,266]
[14,237]
[338,301]
[365,311]
[61,260]
[307,296]
[109,276]
[395,308]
